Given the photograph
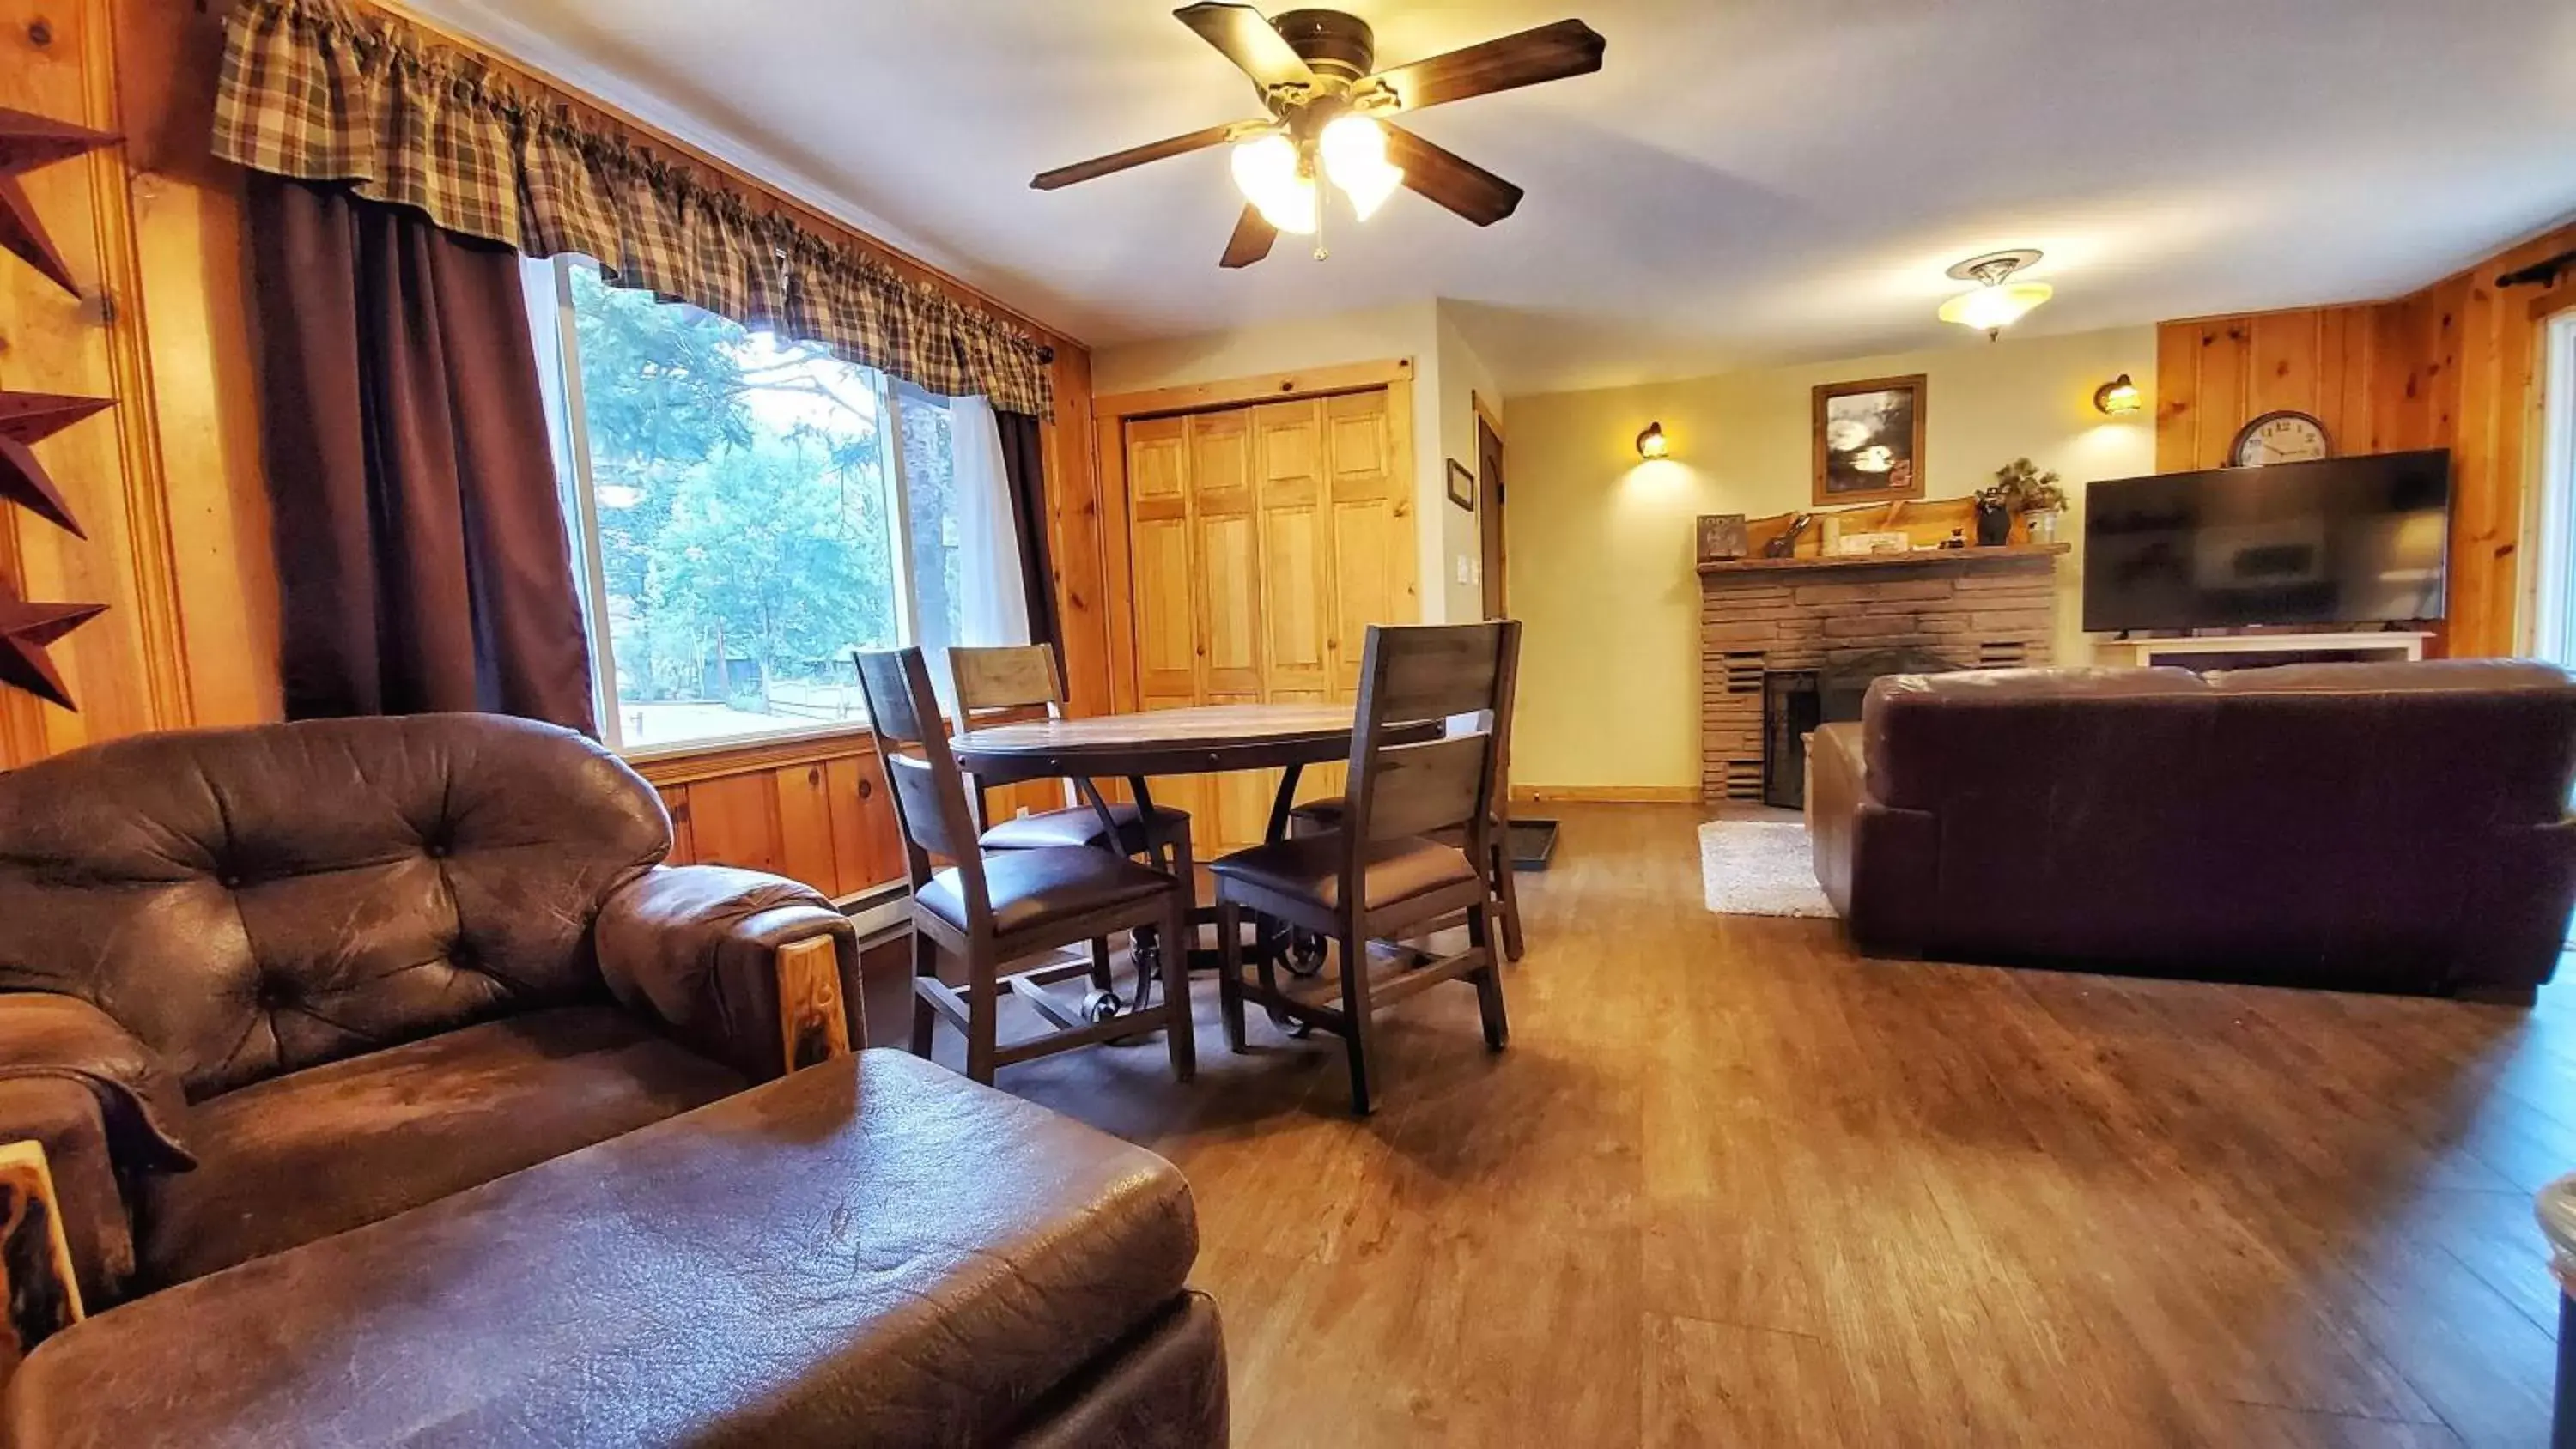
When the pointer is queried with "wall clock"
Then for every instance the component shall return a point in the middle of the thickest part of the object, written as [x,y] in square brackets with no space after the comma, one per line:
[2279,437]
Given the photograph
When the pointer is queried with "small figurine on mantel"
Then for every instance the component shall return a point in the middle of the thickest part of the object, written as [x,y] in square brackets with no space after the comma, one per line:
[1787,543]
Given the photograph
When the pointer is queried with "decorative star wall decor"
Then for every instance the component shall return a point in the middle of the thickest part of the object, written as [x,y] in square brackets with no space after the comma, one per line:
[25,630]
[27,142]
[29,417]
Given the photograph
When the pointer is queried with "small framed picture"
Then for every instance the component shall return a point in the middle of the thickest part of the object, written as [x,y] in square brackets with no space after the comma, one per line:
[1462,486]
[1869,440]
[1721,537]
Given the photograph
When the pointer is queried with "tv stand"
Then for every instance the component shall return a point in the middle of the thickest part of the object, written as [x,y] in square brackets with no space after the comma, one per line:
[2382,645]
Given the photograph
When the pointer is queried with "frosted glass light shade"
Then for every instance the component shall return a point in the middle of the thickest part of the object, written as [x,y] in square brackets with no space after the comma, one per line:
[1354,150]
[1991,309]
[1266,171]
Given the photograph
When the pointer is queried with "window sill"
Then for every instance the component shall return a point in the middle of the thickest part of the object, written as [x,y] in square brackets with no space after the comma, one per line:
[680,764]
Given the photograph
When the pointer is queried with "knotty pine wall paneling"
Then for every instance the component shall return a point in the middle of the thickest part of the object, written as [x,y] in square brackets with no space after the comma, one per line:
[2453,365]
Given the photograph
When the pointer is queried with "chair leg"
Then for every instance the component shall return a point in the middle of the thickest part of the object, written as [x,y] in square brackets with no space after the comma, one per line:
[1507,889]
[1179,1032]
[1488,977]
[1229,970]
[925,962]
[1100,977]
[983,1020]
[1353,948]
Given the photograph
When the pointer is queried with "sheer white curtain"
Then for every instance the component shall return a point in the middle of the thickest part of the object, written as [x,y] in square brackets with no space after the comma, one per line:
[992,604]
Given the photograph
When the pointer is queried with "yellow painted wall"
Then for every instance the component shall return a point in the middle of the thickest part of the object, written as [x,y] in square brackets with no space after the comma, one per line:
[1601,545]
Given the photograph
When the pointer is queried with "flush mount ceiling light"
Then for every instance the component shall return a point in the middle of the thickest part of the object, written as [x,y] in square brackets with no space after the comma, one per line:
[1998,302]
[1651,443]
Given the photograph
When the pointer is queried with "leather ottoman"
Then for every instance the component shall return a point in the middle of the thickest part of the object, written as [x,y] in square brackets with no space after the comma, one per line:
[871,1251]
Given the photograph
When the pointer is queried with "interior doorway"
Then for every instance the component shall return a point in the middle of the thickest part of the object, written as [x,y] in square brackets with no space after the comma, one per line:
[1489,511]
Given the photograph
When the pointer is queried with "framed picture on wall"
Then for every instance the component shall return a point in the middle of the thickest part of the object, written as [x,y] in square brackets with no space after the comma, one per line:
[1462,486]
[1869,440]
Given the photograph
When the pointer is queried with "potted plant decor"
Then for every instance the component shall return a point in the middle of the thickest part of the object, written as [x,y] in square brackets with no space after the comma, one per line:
[2020,488]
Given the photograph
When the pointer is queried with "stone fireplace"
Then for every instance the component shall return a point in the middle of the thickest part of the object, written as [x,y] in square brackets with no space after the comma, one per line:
[1779,631]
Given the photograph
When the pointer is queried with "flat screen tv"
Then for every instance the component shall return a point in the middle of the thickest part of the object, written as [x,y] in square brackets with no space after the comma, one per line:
[2338,541]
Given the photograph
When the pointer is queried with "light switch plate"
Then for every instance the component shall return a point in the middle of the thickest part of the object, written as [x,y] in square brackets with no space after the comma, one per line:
[1466,568]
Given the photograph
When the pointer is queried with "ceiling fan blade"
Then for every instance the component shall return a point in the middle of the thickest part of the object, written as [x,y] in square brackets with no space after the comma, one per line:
[1450,179]
[1247,40]
[1251,240]
[1551,52]
[1133,156]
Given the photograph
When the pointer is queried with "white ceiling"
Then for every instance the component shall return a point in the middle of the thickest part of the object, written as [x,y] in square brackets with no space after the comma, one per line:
[1745,182]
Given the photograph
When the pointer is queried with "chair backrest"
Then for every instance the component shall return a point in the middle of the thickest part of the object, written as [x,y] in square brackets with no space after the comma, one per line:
[1459,674]
[921,772]
[1004,676]
[251,902]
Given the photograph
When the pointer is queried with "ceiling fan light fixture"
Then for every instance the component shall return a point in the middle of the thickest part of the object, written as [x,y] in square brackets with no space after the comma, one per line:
[1354,155]
[1270,174]
[1998,302]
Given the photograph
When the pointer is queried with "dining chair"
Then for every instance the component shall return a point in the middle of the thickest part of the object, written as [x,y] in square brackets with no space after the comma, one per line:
[1384,872]
[989,679]
[992,910]
[1316,817]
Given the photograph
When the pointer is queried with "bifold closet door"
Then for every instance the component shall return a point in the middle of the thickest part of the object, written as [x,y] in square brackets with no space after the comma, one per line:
[1245,525]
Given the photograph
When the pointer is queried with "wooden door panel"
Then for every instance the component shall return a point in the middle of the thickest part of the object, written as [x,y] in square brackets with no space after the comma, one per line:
[1166,636]
[1155,472]
[1288,453]
[1372,549]
[1230,606]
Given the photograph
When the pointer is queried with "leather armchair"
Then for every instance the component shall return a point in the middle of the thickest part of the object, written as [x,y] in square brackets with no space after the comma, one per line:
[259,986]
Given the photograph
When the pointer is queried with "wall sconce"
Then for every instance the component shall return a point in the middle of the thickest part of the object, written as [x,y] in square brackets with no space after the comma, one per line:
[1651,443]
[2117,396]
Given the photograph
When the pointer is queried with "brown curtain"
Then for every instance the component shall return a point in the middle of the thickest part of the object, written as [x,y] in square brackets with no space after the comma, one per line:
[421,552]
[1024,460]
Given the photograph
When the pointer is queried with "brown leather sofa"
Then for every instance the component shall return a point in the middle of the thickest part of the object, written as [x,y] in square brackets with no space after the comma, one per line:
[319,1024]
[2377,827]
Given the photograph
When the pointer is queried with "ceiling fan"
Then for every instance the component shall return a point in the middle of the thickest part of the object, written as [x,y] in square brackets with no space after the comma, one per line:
[1327,113]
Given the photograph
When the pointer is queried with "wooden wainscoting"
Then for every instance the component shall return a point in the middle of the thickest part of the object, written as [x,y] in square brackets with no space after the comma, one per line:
[1262,539]
[813,810]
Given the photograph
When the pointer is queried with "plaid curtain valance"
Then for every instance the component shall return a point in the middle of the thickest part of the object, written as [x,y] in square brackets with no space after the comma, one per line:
[320,92]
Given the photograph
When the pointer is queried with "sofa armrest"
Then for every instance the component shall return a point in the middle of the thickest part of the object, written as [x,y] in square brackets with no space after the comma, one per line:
[707,951]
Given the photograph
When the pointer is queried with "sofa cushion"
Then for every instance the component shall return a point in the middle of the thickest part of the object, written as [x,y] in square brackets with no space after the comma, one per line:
[320,1151]
[870,1251]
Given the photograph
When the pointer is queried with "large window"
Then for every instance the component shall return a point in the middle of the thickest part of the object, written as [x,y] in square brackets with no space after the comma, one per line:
[747,512]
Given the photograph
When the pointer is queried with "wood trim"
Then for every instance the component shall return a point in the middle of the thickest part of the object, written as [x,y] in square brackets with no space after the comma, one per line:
[1485,410]
[813,1020]
[36,1267]
[154,561]
[683,767]
[1605,794]
[2557,299]
[1115,409]
[763,195]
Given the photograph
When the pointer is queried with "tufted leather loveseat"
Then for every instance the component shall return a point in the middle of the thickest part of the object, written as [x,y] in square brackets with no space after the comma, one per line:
[259,986]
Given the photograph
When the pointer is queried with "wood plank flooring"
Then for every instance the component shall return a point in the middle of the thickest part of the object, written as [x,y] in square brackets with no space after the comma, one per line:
[1732,1185]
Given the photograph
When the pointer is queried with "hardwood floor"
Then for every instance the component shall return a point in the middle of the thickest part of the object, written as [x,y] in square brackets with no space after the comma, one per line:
[1731,1185]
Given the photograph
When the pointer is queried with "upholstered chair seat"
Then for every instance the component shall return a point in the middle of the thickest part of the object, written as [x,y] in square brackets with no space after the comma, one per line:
[1080,825]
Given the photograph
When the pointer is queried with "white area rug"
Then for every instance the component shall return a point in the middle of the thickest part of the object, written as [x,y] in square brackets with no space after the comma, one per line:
[1759,868]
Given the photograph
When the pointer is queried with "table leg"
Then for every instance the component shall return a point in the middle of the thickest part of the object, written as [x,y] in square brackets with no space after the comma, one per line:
[1282,803]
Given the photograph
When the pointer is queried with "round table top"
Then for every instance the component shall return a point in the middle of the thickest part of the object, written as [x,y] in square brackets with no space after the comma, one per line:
[1200,739]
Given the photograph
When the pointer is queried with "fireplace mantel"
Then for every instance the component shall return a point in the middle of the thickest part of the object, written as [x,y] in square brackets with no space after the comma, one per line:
[1914,559]
[1977,608]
